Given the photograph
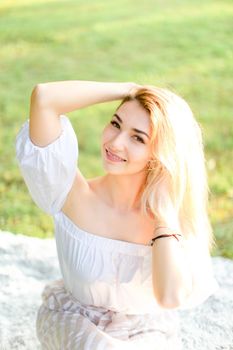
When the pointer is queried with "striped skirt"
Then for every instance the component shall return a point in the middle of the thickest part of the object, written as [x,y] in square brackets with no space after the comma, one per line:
[63,323]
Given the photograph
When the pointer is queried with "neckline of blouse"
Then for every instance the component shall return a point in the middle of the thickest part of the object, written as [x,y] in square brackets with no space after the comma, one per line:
[105,240]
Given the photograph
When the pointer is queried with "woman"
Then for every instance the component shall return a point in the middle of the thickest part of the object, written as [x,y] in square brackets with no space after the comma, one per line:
[134,244]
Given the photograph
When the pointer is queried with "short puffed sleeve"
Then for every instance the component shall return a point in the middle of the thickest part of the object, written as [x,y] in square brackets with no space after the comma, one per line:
[48,171]
[201,267]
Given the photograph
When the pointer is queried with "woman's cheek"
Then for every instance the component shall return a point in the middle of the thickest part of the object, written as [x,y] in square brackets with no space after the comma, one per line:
[105,133]
[109,134]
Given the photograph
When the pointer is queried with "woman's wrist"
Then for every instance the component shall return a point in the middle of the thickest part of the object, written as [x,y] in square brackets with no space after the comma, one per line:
[163,229]
[130,88]
[165,232]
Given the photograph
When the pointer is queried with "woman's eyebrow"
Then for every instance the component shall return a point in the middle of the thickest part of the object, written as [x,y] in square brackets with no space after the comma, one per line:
[136,130]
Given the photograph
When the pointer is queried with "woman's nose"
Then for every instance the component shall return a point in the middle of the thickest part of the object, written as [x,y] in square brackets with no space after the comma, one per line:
[118,143]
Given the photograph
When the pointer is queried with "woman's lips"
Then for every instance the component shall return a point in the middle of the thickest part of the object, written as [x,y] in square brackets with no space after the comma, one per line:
[113,158]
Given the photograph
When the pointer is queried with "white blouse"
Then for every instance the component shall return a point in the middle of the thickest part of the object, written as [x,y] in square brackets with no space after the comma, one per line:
[98,271]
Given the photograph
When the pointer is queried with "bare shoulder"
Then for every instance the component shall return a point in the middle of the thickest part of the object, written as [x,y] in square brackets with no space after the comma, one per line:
[78,188]
[95,183]
[80,191]
[88,196]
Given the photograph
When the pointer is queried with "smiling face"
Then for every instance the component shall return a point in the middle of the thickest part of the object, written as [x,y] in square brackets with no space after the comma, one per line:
[126,136]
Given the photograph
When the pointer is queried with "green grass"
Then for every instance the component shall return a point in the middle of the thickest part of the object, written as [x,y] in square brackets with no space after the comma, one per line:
[182,45]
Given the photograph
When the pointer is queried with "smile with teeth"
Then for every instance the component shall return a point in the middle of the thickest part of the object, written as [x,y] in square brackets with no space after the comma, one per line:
[113,157]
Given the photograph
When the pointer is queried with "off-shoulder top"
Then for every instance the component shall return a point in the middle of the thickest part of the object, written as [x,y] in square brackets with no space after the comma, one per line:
[97,270]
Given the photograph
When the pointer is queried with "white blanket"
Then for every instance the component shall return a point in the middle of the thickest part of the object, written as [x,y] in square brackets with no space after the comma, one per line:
[27,264]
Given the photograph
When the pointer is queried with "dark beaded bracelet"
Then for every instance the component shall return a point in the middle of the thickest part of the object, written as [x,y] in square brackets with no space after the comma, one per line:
[165,235]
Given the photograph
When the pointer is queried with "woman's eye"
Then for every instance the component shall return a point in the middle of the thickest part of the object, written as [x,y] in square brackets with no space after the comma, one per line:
[140,139]
[113,122]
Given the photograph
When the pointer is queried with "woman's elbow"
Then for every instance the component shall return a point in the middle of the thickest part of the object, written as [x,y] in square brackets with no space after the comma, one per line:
[168,303]
[173,302]
[38,93]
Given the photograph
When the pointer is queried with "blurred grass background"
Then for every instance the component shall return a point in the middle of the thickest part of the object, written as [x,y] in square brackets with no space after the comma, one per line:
[184,45]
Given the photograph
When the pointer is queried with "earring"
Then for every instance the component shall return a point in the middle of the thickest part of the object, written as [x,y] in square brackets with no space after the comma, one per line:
[151,164]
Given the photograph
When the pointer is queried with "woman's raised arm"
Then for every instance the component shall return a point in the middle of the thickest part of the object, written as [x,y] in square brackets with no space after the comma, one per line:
[49,100]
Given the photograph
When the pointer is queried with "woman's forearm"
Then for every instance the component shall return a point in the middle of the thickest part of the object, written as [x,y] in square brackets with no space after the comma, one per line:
[67,96]
[171,274]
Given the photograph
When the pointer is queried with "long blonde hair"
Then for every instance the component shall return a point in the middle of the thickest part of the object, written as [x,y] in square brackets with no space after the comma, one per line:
[176,188]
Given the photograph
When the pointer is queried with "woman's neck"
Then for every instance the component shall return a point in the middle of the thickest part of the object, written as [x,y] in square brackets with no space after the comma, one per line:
[123,192]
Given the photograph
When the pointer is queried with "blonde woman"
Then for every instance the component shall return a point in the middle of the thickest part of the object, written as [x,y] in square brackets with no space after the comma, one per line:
[134,244]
